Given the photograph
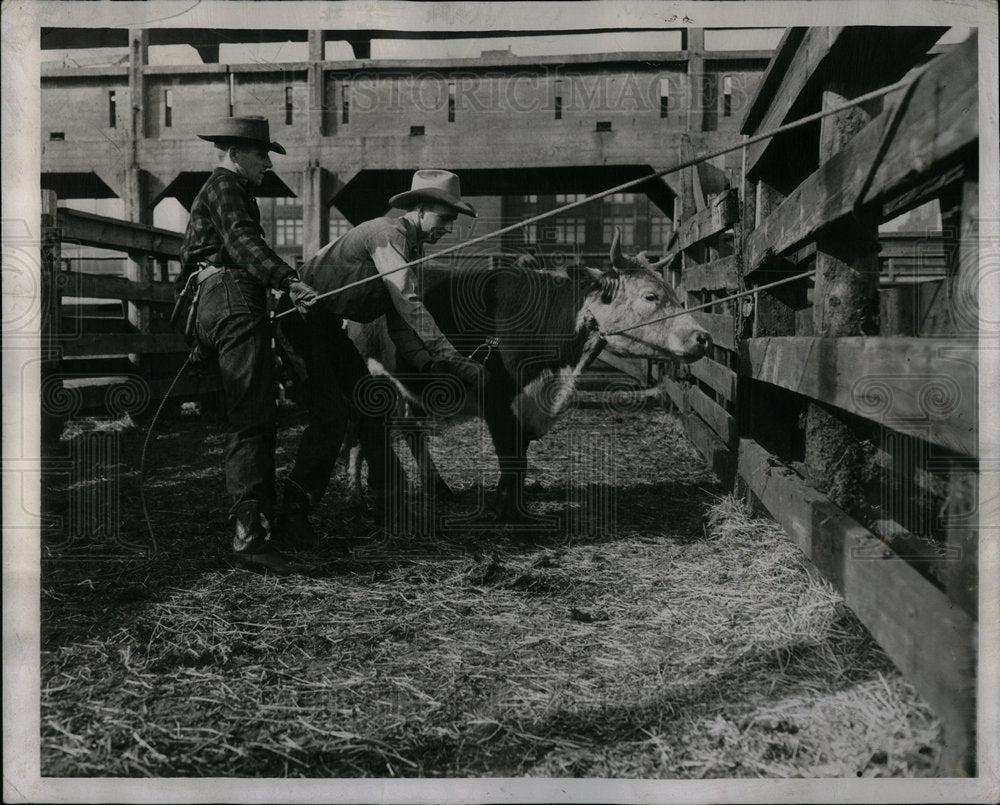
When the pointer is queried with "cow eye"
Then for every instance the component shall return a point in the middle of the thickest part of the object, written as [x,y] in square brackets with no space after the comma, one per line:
[651,297]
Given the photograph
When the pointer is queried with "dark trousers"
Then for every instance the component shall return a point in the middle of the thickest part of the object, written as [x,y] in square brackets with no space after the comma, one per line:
[339,386]
[232,328]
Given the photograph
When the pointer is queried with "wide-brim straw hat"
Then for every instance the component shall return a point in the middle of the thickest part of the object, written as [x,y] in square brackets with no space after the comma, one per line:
[253,129]
[437,186]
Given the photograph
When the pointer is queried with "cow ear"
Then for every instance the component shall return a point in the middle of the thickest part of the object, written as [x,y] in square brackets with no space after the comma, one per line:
[609,284]
[585,275]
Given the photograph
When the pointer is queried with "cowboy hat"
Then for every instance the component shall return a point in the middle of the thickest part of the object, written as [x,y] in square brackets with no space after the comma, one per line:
[436,186]
[253,129]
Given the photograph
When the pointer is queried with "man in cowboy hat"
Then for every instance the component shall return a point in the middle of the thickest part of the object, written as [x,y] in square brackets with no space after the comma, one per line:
[225,254]
[367,262]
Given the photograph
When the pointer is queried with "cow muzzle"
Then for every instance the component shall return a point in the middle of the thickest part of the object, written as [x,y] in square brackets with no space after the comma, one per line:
[696,345]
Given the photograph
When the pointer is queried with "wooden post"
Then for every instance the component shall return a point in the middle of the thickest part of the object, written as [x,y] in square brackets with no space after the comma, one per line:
[696,77]
[51,307]
[316,89]
[964,512]
[137,267]
[315,209]
[773,314]
[845,303]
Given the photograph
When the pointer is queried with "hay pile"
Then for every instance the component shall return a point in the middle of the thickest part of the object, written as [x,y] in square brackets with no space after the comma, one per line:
[686,640]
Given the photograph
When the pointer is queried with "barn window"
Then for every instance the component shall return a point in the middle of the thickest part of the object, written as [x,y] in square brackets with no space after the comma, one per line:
[558,99]
[168,108]
[345,104]
[288,231]
[627,226]
[530,233]
[727,96]
[664,97]
[288,106]
[603,125]
[57,135]
[569,230]
[338,227]
[451,101]
[112,109]
[416,131]
[660,230]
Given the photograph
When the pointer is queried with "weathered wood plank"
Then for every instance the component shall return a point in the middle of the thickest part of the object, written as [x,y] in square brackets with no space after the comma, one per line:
[719,275]
[716,376]
[677,393]
[719,326]
[770,80]
[904,612]
[809,53]
[119,344]
[719,457]
[720,214]
[714,415]
[887,53]
[926,387]
[940,120]
[634,367]
[104,286]
[96,397]
[111,233]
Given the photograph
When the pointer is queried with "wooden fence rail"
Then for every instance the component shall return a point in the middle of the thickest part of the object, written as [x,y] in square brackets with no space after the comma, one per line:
[905,394]
[107,344]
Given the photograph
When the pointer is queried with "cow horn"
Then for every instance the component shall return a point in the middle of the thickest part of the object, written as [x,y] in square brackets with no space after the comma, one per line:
[618,260]
[661,263]
[625,262]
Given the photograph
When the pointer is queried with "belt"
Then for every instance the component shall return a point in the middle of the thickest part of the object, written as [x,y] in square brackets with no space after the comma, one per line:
[207,271]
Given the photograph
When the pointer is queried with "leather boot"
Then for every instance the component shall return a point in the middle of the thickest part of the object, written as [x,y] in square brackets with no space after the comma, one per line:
[252,547]
[293,529]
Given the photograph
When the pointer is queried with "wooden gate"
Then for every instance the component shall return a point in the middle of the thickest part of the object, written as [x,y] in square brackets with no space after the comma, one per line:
[107,345]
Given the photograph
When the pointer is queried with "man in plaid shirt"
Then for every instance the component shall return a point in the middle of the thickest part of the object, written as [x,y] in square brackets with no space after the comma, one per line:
[235,267]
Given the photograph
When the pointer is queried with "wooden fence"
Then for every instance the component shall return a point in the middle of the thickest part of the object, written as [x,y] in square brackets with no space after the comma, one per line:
[107,346]
[846,404]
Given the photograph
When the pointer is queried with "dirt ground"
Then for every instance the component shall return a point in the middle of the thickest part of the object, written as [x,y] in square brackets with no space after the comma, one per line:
[654,629]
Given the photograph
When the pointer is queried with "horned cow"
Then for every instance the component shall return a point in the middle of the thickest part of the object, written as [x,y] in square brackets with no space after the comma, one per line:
[535,331]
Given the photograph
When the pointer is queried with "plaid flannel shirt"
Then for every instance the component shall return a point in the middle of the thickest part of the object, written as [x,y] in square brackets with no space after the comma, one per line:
[224,230]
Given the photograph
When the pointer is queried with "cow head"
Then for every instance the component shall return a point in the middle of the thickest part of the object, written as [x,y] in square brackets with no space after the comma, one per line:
[632,293]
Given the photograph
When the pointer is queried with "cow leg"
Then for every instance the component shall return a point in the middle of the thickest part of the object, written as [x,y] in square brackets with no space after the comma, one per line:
[512,452]
[355,457]
[430,478]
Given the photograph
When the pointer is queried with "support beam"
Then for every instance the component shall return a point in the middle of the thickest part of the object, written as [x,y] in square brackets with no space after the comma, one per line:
[362,48]
[315,196]
[209,54]
[138,266]
[695,47]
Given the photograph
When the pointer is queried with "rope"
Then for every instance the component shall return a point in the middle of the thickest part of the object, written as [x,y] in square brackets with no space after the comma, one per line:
[861,99]
[154,549]
[145,444]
